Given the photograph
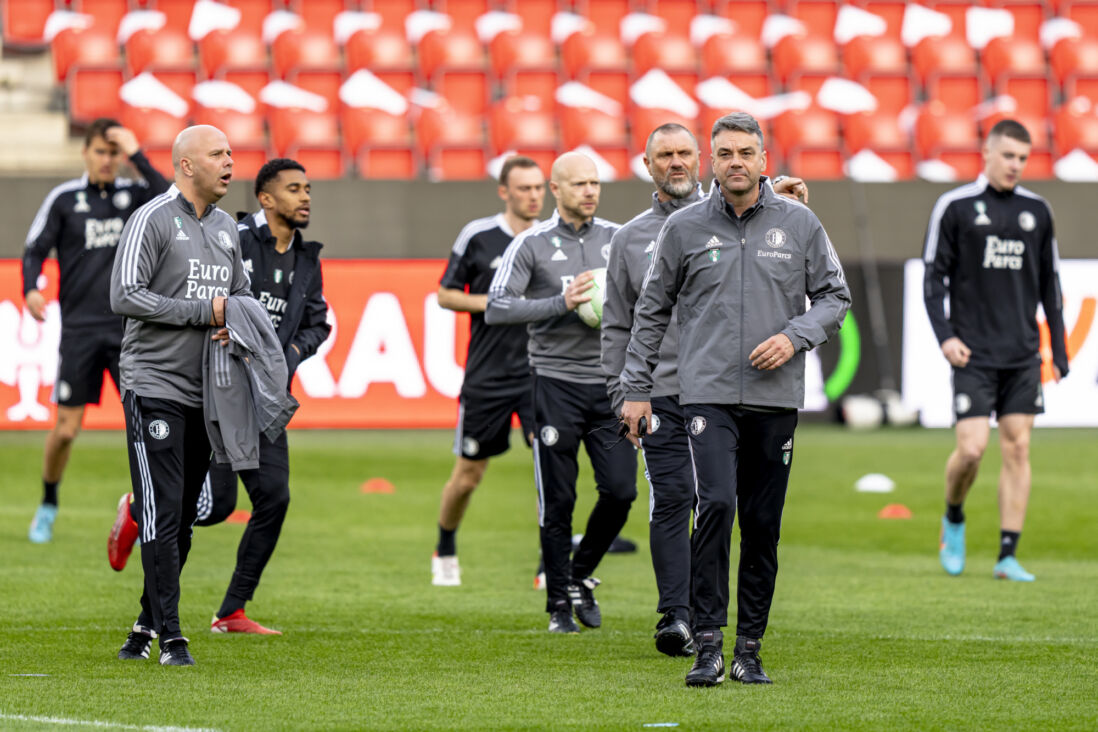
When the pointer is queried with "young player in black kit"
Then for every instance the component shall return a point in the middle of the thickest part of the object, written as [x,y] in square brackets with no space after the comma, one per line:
[82,219]
[497,373]
[286,279]
[991,249]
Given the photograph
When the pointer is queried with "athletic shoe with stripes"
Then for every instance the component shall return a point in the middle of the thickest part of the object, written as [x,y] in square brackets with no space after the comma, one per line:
[673,637]
[238,622]
[708,668]
[176,653]
[123,535]
[138,643]
[1008,568]
[583,601]
[560,620]
[41,528]
[746,664]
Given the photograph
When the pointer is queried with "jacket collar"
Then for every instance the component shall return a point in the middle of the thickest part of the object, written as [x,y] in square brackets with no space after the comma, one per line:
[257,222]
[187,205]
[666,208]
[766,198]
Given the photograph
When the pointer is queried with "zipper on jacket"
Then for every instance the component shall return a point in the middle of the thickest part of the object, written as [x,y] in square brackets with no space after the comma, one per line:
[743,268]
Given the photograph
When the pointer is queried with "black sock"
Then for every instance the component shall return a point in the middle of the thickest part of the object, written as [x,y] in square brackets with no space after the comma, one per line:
[955,514]
[1008,543]
[447,545]
[49,494]
[229,606]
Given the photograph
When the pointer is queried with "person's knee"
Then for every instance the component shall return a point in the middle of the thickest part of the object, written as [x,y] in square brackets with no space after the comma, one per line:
[718,505]
[66,431]
[620,491]
[971,451]
[1015,449]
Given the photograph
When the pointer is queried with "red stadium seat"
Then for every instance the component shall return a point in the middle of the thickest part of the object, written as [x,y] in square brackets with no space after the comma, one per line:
[678,14]
[161,158]
[244,129]
[1085,13]
[967,163]
[618,157]
[1012,56]
[1032,92]
[796,55]
[891,10]
[319,14]
[324,83]
[1074,56]
[91,47]
[614,84]
[957,92]
[938,128]
[1081,86]
[167,48]
[605,15]
[671,53]
[177,12]
[902,161]
[1039,165]
[588,51]
[463,13]
[235,49]
[401,80]
[818,16]
[512,50]
[393,12]
[446,126]
[874,54]
[152,126]
[513,124]
[457,162]
[24,22]
[93,92]
[253,12]
[456,49]
[757,85]
[363,127]
[299,127]
[957,10]
[308,49]
[251,81]
[467,90]
[748,15]
[1028,15]
[814,163]
[321,162]
[247,161]
[386,162]
[537,15]
[724,54]
[1076,126]
[893,91]
[874,130]
[809,128]
[107,13]
[539,83]
[643,121]
[942,55]
[180,81]
[382,49]
[579,126]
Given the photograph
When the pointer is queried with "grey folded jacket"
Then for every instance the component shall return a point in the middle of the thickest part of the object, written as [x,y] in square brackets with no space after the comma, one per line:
[244,390]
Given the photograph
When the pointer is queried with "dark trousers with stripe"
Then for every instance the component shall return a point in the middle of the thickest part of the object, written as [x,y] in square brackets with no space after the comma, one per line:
[566,415]
[169,454]
[269,490]
[742,458]
[671,500]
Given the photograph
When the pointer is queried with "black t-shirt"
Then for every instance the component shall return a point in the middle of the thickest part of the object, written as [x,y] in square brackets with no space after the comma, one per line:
[83,222]
[994,254]
[274,285]
[497,359]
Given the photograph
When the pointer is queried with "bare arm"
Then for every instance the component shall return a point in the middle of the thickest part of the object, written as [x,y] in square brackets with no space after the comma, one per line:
[461,301]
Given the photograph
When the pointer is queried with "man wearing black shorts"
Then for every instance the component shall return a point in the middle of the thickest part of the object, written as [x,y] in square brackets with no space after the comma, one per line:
[497,375]
[82,219]
[991,249]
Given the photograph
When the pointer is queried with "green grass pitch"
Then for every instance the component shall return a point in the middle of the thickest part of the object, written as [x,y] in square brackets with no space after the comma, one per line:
[867,632]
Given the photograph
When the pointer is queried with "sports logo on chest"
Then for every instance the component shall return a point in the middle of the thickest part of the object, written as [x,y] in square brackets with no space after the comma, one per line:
[100,233]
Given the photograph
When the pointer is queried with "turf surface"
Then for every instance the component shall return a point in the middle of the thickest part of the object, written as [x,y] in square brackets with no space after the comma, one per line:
[867,632]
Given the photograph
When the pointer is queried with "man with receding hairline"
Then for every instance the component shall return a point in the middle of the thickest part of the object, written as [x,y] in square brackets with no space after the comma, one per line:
[545,274]
[178,261]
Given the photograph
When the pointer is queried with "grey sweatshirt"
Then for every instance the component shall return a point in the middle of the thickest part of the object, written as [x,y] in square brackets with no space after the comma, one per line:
[244,392]
[737,281]
[630,256]
[529,288]
[169,266]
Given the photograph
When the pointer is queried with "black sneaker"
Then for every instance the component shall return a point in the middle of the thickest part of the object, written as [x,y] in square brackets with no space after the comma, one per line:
[584,603]
[673,637]
[560,620]
[708,667]
[176,653]
[138,643]
[746,664]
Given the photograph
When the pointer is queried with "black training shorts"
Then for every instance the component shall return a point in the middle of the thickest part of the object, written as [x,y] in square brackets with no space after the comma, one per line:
[83,357]
[979,392]
[484,423]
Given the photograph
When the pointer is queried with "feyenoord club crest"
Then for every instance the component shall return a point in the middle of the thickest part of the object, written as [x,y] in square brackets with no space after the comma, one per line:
[469,446]
[962,403]
[606,252]
[122,199]
[655,422]
[775,238]
[224,240]
[549,435]
[1027,221]
[697,425]
[158,428]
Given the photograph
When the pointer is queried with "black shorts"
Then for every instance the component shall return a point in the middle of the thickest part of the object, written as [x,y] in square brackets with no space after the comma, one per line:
[977,392]
[82,358]
[484,423]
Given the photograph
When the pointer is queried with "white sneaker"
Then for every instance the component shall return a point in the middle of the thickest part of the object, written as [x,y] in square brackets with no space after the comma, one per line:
[445,571]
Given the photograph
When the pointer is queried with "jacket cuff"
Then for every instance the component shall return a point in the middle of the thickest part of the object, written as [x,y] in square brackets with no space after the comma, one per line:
[638,396]
[799,344]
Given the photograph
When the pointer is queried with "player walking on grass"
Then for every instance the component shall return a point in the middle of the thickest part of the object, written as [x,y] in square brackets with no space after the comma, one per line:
[82,219]
[178,261]
[286,279]
[497,371]
[739,266]
[544,276]
[991,249]
[672,158]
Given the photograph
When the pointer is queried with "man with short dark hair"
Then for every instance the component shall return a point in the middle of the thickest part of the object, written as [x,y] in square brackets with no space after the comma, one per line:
[739,267]
[82,219]
[544,277]
[286,279]
[497,381]
[672,157]
[991,251]
[178,262]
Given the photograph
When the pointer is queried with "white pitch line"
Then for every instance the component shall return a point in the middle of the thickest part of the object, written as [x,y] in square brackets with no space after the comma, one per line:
[63,722]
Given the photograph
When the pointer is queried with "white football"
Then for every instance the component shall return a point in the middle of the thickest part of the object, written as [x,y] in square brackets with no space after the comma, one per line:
[590,312]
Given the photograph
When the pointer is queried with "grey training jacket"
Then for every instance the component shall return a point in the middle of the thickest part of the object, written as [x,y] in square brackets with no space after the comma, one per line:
[737,281]
[169,266]
[244,392]
[529,288]
[631,252]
